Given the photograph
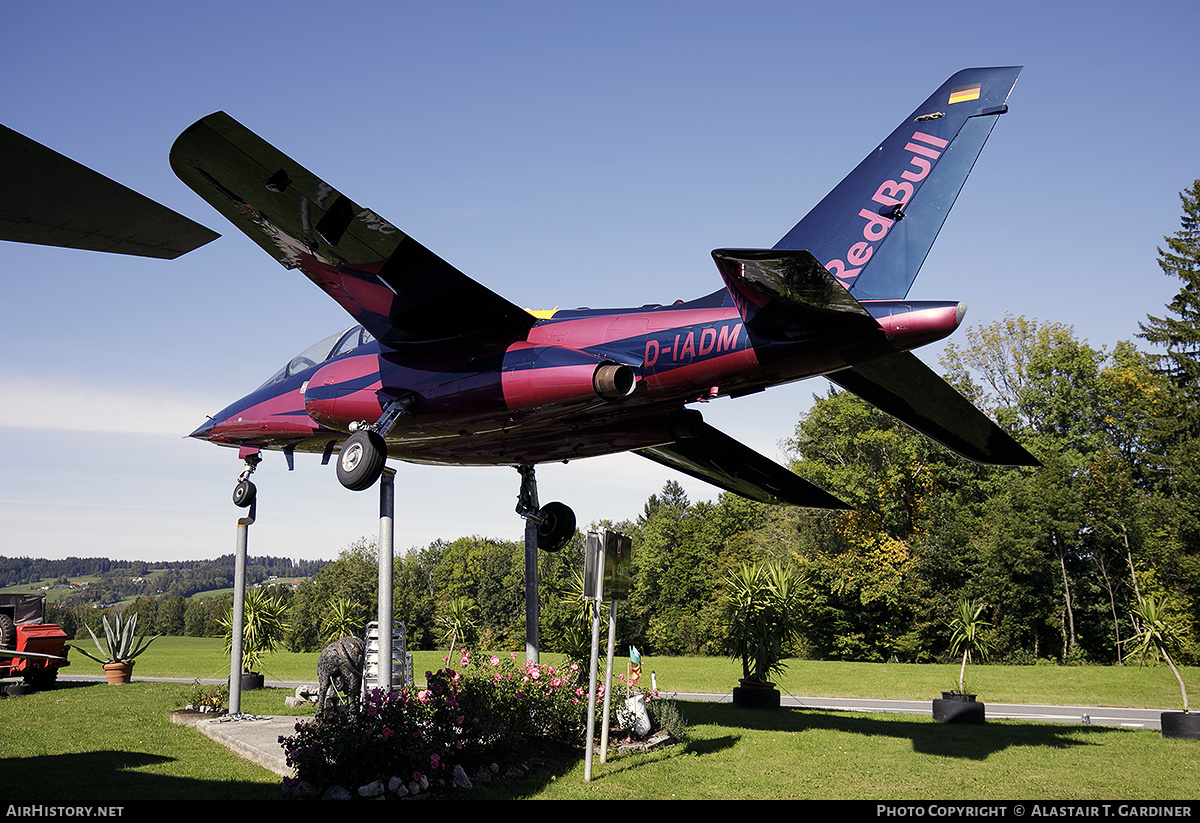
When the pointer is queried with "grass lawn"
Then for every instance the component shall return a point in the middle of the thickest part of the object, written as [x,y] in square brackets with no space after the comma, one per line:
[1132,686]
[100,743]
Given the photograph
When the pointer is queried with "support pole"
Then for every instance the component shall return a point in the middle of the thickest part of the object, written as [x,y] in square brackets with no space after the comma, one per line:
[386,552]
[612,638]
[527,507]
[239,612]
[592,674]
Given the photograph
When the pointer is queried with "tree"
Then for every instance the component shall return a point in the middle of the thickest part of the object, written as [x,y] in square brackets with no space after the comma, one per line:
[1179,331]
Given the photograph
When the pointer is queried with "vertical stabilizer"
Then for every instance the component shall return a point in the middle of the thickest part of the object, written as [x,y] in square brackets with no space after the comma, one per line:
[874,230]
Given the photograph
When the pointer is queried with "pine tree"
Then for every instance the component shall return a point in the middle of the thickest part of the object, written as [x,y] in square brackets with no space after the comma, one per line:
[1179,332]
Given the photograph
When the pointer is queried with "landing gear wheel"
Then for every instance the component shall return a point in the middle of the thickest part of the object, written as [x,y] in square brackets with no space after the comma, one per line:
[557,526]
[361,460]
[244,493]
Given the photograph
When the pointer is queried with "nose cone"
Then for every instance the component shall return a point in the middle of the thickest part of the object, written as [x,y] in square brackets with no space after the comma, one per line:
[203,432]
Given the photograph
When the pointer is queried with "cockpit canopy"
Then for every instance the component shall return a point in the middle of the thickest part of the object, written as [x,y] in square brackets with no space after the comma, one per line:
[333,346]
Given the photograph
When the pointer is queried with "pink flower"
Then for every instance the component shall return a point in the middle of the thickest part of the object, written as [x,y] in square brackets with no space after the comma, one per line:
[495,661]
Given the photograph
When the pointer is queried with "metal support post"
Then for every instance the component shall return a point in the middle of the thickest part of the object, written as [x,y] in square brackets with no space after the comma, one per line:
[239,611]
[591,710]
[386,552]
[527,507]
[612,638]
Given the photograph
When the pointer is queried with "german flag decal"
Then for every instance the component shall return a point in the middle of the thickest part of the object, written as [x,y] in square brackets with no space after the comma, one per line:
[964,94]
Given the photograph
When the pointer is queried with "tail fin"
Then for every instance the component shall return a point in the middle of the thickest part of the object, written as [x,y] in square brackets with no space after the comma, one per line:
[875,228]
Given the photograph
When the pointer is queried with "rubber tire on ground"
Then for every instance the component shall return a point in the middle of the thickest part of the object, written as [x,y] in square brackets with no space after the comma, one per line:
[1180,725]
[958,711]
[8,632]
[42,680]
[557,526]
[755,698]
[361,460]
[244,493]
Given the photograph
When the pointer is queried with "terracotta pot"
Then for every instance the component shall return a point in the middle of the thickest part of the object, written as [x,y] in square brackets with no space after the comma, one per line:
[118,673]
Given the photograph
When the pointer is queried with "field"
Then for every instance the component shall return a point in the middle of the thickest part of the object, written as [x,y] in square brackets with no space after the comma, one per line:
[117,743]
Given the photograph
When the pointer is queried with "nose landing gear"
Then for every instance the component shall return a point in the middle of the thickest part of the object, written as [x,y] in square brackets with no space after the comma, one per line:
[244,493]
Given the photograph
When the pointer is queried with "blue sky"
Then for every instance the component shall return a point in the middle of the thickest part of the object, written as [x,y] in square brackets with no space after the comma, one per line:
[563,156]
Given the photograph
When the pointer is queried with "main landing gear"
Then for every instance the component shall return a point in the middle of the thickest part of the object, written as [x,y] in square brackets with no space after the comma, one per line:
[361,460]
[555,521]
[364,454]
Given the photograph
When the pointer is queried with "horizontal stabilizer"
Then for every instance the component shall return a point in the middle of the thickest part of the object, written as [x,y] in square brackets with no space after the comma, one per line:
[717,458]
[782,292]
[401,292]
[50,200]
[908,390]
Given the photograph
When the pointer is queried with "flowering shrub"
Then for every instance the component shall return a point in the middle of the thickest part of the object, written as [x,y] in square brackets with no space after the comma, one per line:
[483,707]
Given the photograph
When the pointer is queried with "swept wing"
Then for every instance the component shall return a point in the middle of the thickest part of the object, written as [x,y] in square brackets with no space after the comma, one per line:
[391,284]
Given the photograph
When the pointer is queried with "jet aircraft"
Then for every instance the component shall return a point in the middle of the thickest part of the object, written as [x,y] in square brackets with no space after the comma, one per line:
[439,369]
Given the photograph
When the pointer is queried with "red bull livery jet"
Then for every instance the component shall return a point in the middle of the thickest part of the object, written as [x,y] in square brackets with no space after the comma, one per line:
[489,383]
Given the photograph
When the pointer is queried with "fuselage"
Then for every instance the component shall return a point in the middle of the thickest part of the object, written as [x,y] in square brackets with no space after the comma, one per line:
[540,397]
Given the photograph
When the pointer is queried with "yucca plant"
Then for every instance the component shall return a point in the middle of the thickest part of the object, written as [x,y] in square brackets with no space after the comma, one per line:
[1161,629]
[764,612]
[968,634]
[342,619]
[263,627]
[120,644]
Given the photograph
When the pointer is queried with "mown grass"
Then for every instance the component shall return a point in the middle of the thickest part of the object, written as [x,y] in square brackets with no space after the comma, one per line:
[94,742]
[1132,686]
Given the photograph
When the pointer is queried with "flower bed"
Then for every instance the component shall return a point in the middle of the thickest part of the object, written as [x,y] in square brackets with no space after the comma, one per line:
[484,708]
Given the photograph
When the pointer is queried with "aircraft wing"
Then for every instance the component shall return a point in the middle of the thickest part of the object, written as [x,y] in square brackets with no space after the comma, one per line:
[397,289]
[907,389]
[50,200]
[715,457]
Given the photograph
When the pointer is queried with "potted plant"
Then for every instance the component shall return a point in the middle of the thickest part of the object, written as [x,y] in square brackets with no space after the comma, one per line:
[764,614]
[1160,630]
[967,635]
[120,648]
[263,627]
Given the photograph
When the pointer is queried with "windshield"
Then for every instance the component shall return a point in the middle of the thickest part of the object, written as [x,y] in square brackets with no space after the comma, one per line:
[333,346]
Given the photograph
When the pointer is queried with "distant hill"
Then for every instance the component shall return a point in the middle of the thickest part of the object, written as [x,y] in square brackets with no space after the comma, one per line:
[75,580]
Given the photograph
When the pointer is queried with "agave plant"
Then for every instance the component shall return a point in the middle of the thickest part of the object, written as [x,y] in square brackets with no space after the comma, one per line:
[120,644]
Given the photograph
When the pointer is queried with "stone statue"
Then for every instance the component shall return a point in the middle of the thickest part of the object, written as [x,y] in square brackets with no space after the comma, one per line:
[341,666]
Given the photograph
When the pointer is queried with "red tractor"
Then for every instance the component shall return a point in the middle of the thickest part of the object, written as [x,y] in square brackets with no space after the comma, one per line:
[29,648]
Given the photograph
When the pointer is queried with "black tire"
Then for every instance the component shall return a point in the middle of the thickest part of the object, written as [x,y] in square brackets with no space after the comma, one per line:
[244,494]
[42,679]
[8,632]
[557,526]
[958,710]
[361,460]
